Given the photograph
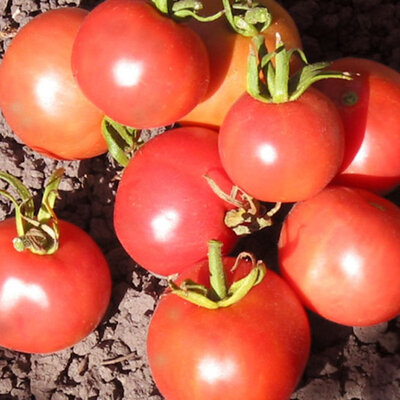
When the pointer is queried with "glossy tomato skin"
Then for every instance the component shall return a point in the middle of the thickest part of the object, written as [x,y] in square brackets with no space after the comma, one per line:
[228,59]
[340,250]
[255,349]
[140,67]
[165,211]
[39,97]
[282,152]
[51,302]
[372,123]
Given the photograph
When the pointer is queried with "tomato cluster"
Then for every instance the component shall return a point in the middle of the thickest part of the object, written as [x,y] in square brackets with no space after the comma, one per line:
[256,125]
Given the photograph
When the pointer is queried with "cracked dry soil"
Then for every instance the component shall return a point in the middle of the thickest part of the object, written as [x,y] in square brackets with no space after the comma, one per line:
[345,364]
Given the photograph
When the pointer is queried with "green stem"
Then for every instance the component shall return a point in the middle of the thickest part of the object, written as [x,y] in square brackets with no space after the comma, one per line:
[229,14]
[191,14]
[268,74]
[282,73]
[217,273]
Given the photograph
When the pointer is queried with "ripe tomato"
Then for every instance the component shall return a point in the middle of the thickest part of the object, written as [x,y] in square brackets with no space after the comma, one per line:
[51,302]
[283,152]
[340,250]
[165,211]
[370,108]
[228,59]
[255,349]
[140,67]
[39,97]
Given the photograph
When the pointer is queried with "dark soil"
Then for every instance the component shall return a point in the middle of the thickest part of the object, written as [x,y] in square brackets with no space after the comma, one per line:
[345,364]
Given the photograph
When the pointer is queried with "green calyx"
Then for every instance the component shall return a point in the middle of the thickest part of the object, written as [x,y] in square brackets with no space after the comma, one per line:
[38,234]
[268,76]
[184,8]
[249,214]
[219,295]
[247,17]
[122,141]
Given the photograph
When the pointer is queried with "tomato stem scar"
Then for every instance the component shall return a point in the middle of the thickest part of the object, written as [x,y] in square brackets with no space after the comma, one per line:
[349,98]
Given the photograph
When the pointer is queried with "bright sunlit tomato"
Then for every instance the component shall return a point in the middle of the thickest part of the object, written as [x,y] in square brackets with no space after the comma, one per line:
[139,66]
[50,302]
[255,349]
[282,152]
[370,108]
[340,251]
[39,97]
[228,59]
[165,211]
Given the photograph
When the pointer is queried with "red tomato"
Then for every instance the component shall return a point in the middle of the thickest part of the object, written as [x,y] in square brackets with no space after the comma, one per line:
[38,95]
[255,349]
[51,302]
[228,59]
[340,250]
[282,152]
[370,108]
[140,67]
[165,211]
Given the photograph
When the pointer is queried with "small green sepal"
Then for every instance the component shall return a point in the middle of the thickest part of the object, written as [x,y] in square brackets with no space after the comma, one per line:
[122,141]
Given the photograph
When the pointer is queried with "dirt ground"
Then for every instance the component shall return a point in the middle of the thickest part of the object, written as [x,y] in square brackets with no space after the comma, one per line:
[345,364]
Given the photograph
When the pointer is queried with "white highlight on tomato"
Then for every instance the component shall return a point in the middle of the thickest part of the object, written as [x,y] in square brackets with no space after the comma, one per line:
[15,290]
[127,73]
[351,264]
[213,370]
[363,153]
[267,153]
[164,224]
[47,89]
